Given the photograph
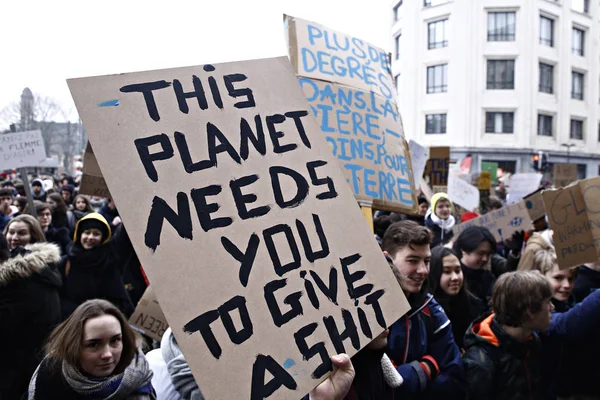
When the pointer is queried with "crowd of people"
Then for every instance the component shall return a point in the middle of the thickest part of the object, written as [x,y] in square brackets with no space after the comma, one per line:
[487,320]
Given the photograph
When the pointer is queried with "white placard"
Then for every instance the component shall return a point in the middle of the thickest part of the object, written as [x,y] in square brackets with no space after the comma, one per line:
[419,156]
[21,149]
[521,185]
[462,193]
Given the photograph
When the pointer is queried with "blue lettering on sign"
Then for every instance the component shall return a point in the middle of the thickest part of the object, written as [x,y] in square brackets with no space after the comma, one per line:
[336,54]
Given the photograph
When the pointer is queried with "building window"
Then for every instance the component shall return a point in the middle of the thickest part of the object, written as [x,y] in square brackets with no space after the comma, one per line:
[431,3]
[437,34]
[396,10]
[582,6]
[435,123]
[578,41]
[437,78]
[501,26]
[546,78]
[501,74]
[397,45]
[546,31]
[577,85]
[576,129]
[544,127]
[499,122]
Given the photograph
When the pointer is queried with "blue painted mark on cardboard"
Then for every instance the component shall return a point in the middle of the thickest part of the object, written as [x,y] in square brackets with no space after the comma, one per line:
[109,103]
[289,363]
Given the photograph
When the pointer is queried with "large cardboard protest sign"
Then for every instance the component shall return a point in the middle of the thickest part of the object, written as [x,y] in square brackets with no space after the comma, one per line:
[92,181]
[564,174]
[438,166]
[521,185]
[21,149]
[535,205]
[148,318]
[502,223]
[351,92]
[419,156]
[463,193]
[574,216]
[256,249]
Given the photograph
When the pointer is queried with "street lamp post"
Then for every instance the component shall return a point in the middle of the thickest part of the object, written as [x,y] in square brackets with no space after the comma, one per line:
[568,146]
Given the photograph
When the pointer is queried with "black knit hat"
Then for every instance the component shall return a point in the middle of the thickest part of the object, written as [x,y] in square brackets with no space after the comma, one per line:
[92,223]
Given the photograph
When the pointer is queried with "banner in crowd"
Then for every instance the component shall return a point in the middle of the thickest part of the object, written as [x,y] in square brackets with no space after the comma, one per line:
[438,166]
[502,223]
[419,156]
[565,174]
[259,256]
[148,318]
[92,181]
[521,185]
[535,205]
[462,193]
[574,217]
[21,149]
[349,86]
[492,168]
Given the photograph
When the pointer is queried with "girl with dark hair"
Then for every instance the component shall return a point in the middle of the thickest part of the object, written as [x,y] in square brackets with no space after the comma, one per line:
[81,208]
[29,304]
[93,355]
[446,284]
[58,236]
[475,245]
[61,216]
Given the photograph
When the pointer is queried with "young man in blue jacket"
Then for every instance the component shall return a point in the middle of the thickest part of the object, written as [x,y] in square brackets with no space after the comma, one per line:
[421,344]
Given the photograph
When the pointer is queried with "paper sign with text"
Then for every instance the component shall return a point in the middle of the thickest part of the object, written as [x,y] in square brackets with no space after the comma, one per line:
[21,149]
[419,156]
[438,166]
[574,217]
[148,318]
[349,86]
[502,223]
[92,181]
[521,185]
[233,203]
[462,193]
[565,174]
[535,205]
[492,168]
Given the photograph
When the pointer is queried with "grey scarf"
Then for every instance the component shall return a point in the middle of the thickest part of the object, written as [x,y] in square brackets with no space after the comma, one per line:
[181,374]
[132,384]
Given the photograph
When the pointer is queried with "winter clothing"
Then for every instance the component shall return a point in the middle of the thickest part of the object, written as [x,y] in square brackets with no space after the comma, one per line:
[92,221]
[441,229]
[461,310]
[29,310]
[179,370]
[376,377]
[59,380]
[71,190]
[536,242]
[480,282]
[424,335]
[42,195]
[161,380]
[94,273]
[109,214]
[586,282]
[59,237]
[61,219]
[500,367]
[77,215]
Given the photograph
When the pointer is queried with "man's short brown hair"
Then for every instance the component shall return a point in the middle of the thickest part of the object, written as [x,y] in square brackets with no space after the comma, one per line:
[405,233]
[516,293]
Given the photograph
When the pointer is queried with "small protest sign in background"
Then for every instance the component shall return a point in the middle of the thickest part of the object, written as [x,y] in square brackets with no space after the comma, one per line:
[148,318]
[535,205]
[351,92]
[521,185]
[485,180]
[564,174]
[492,168]
[419,156]
[462,193]
[438,166]
[253,242]
[21,149]
[502,223]
[92,181]
[574,217]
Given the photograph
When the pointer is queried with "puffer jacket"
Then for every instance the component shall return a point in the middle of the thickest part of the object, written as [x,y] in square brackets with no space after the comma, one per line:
[425,332]
[499,367]
[29,310]
[535,243]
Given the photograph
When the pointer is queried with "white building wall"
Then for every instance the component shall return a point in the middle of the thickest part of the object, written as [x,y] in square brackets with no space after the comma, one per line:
[468,98]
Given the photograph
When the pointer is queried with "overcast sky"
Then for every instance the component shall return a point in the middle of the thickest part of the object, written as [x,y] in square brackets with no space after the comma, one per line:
[45,42]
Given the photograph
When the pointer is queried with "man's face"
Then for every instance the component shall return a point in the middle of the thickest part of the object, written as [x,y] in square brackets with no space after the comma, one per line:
[411,266]
[5,200]
[37,189]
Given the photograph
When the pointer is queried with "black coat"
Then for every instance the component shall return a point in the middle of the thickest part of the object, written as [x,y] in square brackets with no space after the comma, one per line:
[587,281]
[479,282]
[29,310]
[58,236]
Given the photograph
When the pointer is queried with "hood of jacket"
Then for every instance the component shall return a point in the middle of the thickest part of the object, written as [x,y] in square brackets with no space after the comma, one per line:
[35,260]
[486,331]
[92,216]
[538,241]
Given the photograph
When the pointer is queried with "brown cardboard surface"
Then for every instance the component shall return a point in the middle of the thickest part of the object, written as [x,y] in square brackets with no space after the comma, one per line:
[353,98]
[485,180]
[292,238]
[535,205]
[564,174]
[92,181]
[573,214]
[438,166]
[148,318]
[502,223]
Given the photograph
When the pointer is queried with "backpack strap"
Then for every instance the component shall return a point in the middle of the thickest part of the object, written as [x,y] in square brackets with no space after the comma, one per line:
[67,267]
